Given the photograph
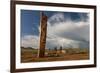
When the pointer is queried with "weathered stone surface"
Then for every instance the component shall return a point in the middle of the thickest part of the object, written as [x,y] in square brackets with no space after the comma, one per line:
[43,23]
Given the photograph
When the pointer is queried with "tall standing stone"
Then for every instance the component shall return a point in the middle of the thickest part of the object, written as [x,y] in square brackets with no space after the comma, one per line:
[43,24]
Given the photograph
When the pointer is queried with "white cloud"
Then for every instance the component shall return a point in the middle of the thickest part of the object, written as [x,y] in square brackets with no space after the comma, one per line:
[30,41]
[67,33]
[57,17]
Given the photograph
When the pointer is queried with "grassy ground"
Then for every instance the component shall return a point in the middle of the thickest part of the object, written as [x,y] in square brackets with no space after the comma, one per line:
[30,55]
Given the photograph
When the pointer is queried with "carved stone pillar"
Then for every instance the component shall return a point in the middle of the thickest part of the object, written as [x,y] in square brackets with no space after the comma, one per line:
[43,24]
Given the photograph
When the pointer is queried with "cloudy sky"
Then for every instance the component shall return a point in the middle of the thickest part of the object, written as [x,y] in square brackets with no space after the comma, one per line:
[66,29]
